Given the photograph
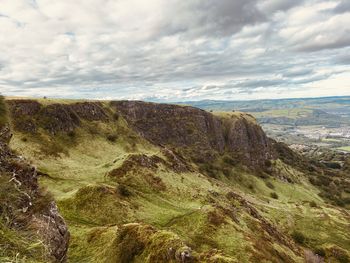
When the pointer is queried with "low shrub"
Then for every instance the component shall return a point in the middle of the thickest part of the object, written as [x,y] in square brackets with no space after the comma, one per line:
[230,161]
[274,195]
[251,187]
[112,137]
[313,204]
[270,185]
[320,251]
[298,237]
[116,116]
[123,190]
[209,169]
[71,134]
[262,175]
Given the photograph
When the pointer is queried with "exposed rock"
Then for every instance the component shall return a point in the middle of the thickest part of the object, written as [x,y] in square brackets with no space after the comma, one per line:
[23,114]
[59,118]
[19,108]
[53,230]
[135,162]
[164,124]
[5,134]
[248,140]
[176,161]
[29,115]
[91,111]
[24,212]
[198,131]
[183,254]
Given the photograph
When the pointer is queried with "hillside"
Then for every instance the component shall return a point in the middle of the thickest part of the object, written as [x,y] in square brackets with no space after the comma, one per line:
[31,228]
[331,105]
[145,182]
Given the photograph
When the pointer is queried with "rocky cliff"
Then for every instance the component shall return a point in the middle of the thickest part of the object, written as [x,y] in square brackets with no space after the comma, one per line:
[26,209]
[197,133]
[29,115]
[202,132]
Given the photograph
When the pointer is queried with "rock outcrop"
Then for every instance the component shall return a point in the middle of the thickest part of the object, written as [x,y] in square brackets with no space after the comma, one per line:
[165,124]
[30,115]
[247,139]
[29,208]
[191,128]
[91,111]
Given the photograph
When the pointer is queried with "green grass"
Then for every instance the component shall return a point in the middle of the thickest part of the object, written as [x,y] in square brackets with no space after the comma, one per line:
[16,244]
[345,148]
[289,113]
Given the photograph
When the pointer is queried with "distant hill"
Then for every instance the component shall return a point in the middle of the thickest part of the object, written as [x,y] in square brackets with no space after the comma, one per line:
[328,111]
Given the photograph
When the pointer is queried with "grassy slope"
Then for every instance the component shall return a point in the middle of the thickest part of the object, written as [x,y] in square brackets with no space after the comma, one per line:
[16,245]
[95,210]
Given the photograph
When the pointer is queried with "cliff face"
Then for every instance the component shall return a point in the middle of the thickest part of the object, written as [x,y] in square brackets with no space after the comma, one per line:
[203,132]
[200,134]
[26,207]
[197,131]
[29,115]
[249,140]
[165,124]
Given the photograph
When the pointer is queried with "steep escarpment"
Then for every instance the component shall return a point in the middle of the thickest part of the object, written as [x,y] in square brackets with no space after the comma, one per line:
[31,227]
[145,182]
[195,133]
[198,132]
[173,125]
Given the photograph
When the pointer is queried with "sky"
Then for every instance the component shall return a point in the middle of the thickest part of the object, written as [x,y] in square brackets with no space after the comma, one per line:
[175,50]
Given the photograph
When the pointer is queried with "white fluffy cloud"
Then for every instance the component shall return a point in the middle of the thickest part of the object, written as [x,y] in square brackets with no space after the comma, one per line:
[174,49]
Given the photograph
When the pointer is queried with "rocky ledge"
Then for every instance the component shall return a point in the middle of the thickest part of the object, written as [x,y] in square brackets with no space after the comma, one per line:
[30,208]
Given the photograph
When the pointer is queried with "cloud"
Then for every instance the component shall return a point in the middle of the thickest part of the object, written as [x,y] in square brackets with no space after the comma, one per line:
[171,50]
[272,6]
[209,17]
[342,7]
[315,27]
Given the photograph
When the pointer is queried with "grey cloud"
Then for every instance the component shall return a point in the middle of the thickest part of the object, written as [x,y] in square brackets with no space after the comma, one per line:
[343,59]
[271,6]
[342,7]
[248,84]
[194,49]
[211,18]
[313,45]
[297,72]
